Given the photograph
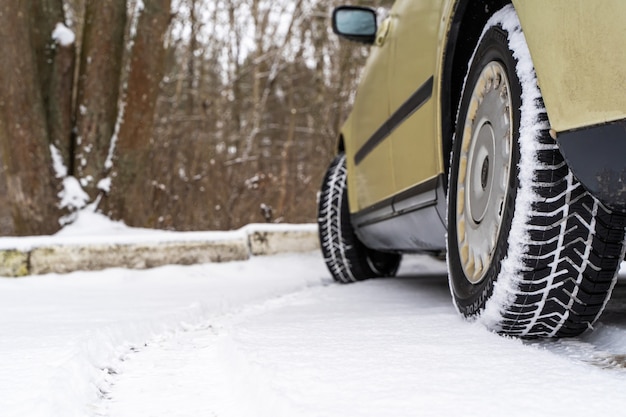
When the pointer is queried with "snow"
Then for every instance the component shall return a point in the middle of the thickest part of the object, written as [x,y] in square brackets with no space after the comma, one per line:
[63,35]
[89,227]
[62,336]
[105,185]
[109,162]
[89,223]
[72,195]
[273,336]
[506,287]
[391,347]
[59,167]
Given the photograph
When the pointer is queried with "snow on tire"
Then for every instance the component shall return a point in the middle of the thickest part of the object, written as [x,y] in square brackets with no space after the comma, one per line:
[346,257]
[530,252]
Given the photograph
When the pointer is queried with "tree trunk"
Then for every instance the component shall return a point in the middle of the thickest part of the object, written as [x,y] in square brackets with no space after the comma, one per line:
[27,183]
[131,199]
[98,89]
[55,63]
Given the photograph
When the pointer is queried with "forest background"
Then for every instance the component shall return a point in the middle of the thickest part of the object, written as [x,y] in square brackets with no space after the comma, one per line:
[169,114]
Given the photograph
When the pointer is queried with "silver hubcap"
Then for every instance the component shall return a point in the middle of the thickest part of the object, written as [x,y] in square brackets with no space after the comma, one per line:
[484,169]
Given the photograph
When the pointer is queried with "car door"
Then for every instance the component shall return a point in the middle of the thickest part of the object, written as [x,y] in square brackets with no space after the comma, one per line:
[414,34]
[370,170]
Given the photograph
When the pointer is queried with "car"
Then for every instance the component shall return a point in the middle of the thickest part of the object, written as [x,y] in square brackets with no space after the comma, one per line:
[494,133]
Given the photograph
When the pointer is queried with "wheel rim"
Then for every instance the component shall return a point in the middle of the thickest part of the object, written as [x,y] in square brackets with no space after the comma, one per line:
[484,170]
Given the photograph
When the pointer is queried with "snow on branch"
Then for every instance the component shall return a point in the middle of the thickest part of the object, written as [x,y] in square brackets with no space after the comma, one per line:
[63,35]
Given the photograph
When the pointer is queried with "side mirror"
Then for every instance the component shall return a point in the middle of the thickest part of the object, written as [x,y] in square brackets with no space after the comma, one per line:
[355,23]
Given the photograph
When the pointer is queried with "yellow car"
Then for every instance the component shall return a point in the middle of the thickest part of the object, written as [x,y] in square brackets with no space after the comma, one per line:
[494,132]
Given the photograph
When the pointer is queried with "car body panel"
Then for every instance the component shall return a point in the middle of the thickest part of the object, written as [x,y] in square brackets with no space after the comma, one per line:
[569,49]
[409,28]
[568,52]
[370,111]
[414,34]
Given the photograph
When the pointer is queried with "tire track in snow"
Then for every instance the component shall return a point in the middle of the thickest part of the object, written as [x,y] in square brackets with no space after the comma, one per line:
[380,321]
[169,364]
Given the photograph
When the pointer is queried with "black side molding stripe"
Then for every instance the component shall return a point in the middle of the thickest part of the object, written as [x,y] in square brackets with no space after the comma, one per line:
[390,207]
[417,100]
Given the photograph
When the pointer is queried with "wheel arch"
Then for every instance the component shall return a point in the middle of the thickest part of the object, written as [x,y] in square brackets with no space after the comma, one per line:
[465,27]
[340,146]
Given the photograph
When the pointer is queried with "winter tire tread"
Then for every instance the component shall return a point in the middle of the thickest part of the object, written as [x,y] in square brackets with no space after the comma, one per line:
[346,257]
[573,245]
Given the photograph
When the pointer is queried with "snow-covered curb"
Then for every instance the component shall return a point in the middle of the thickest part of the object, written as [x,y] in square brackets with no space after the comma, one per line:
[63,254]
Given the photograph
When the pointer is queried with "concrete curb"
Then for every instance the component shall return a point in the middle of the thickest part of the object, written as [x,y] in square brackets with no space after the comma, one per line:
[34,256]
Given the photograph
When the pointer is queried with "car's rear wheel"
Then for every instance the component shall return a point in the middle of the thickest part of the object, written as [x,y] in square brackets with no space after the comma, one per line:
[346,257]
[530,252]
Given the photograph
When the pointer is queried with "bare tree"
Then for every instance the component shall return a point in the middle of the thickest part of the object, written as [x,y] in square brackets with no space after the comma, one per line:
[272,84]
[52,112]
[98,89]
[188,115]
[28,186]
[132,145]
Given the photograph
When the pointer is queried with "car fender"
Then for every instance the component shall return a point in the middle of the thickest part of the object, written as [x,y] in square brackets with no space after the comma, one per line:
[579,57]
[578,54]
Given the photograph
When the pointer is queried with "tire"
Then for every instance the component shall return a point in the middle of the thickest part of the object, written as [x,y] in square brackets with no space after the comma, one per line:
[346,257]
[530,252]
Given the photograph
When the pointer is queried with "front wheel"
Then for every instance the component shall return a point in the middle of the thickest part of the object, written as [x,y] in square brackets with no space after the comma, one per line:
[346,257]
[530,252]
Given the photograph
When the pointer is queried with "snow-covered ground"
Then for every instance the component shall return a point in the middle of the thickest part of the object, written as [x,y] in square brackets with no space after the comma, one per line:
[392,347]
[273,336]
[63,336]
